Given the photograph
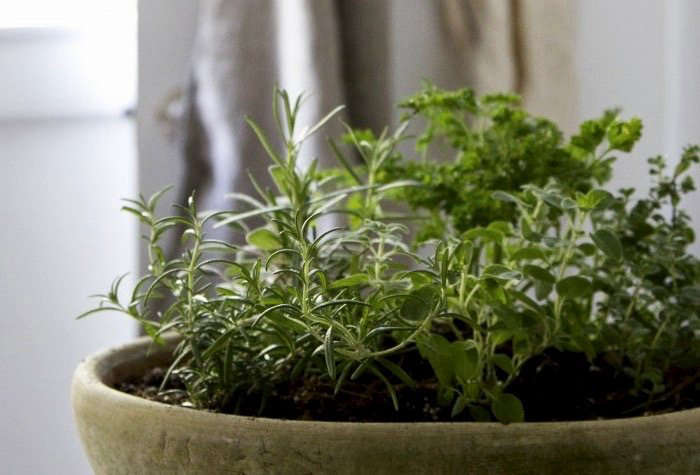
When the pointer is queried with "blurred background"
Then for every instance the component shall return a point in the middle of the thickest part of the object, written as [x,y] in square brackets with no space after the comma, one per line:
[101,100]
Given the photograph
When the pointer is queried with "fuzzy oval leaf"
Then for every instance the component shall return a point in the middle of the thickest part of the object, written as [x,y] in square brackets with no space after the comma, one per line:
[459,406]
[500,336]
[466,358]
[507,408]
[486,235]
[608,242]
[551,199]
[574,286]
[568,203]
[439,353]
[587,248]
[539,273]
[594,199]
[264,239]
[504,362]
[542,289]
[419,303]
[350,281]
[528,253]
[502,227]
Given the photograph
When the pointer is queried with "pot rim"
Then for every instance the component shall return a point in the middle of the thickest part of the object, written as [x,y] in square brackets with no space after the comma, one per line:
[92,372]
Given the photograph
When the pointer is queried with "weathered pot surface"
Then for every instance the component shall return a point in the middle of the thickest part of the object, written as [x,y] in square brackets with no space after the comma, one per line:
[125,434]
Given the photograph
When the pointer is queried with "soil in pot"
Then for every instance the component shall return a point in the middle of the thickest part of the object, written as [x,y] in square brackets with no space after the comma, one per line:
[555,386]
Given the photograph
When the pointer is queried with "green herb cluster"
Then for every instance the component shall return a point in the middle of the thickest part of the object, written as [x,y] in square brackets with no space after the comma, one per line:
[498,146]
[522,252]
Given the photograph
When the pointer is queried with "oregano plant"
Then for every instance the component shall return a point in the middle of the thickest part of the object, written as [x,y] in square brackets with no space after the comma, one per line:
[519,255]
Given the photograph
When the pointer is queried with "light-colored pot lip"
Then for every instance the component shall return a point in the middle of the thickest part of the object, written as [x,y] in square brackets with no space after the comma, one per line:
[88,376]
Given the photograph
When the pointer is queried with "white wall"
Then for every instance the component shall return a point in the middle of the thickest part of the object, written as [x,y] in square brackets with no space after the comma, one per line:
[640,55]
[66,73]
[67,156]
[682,69]
[62,239]
[619,58]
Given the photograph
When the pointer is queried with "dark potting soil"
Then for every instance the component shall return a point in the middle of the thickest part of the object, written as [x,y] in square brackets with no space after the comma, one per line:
[555,386]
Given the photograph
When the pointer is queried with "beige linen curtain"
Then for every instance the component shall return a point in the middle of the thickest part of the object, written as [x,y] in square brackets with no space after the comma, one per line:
[352,46]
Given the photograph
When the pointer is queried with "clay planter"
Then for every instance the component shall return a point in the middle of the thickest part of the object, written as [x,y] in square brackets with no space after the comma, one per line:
[126,434]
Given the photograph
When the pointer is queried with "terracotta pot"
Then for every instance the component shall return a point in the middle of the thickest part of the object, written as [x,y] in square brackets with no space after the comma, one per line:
[126,434]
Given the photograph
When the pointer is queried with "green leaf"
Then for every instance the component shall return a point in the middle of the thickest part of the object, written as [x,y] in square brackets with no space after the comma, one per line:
[264,239]
[539,273]
[479,414]
[397,371]
[526,300]
[584,344]
[459,406]
[593,199]
[486,235]
[419,303]
[587,248]
[264,141]
[500,336]
[343,160]
[500,272]
[507,408]
[350,281]
[522,346]
[278,176]
[502,227]
[551,199]
[387,383]
[466,360]
[464,253]
[623,135]
[568,204]
[591,134]
[328,352]
[527,232]
[439,352]
[356,204]
[542,289]
[608,242]
[320,123]
[574,286]
[528,253]
[503,196]
[504,362]
[691,295]
[236,217]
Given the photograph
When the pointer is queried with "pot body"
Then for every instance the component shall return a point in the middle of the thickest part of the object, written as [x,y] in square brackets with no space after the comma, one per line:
[124,434]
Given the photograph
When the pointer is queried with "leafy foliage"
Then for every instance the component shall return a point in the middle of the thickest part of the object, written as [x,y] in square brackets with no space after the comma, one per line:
[498,146]
[530,255]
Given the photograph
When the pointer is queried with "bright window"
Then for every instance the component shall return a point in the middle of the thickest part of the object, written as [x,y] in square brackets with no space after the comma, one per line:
[65,58]
[68,14]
